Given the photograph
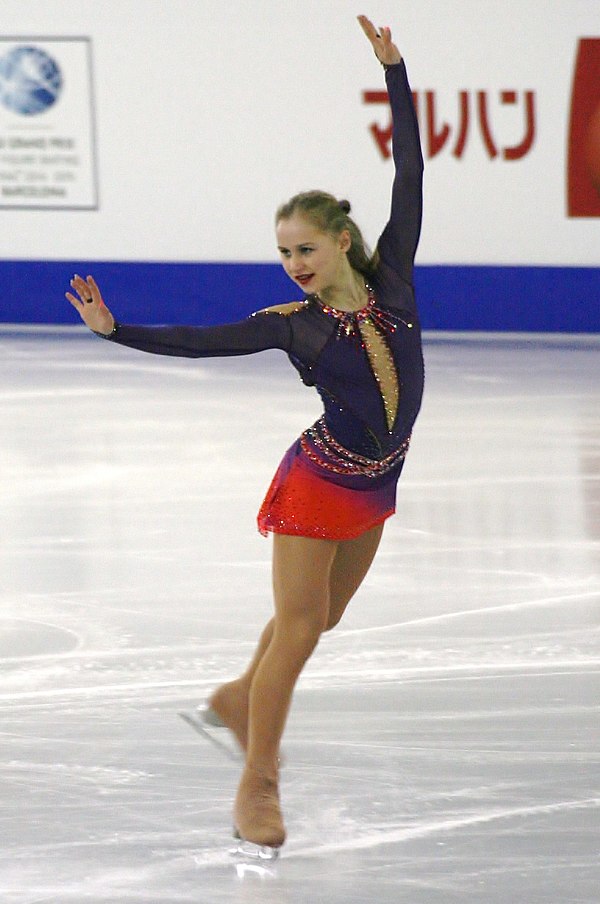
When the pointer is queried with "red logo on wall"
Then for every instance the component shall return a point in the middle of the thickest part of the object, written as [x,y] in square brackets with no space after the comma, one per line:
[480,106]
[439,135]
[583,178]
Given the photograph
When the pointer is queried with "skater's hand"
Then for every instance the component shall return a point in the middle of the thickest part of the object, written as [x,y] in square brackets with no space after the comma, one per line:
[381,41]
[90,306]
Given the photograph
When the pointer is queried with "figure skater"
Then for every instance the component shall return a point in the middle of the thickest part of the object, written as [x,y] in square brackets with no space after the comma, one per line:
[355,337]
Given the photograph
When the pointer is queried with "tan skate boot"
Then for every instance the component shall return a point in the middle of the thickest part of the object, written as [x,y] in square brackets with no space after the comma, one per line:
[257,813]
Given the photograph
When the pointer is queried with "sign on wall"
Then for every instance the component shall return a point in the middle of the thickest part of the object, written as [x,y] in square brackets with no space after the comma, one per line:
[584,132]
[47,143]
[477,117]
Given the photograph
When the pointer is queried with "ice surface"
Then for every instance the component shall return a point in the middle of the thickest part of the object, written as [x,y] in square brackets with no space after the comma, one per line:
[443,743]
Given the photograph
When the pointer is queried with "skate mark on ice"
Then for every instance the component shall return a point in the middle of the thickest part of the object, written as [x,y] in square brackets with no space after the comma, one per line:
[24,638]
[441,826]
[465,613]
[115,691]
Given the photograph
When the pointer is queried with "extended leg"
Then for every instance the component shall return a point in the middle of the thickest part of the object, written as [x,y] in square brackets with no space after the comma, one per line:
[230,701]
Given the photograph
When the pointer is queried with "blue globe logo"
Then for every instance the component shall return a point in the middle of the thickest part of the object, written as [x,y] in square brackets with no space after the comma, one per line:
[30,80]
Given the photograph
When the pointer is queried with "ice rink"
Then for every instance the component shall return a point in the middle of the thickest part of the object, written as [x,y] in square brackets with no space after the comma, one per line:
[443,745]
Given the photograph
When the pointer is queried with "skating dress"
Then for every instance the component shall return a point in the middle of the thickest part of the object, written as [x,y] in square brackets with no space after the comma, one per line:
[339,477]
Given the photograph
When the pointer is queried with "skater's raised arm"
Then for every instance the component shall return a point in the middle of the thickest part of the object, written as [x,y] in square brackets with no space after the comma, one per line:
[398,243]
[381,41]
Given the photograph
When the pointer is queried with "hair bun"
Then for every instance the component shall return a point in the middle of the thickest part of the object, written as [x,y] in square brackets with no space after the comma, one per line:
[345,206]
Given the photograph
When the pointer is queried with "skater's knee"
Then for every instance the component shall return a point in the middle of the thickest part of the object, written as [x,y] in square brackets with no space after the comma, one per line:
[301,626]
[305,632]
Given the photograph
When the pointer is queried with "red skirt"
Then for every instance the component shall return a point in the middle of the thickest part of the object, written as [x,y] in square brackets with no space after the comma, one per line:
[305,501]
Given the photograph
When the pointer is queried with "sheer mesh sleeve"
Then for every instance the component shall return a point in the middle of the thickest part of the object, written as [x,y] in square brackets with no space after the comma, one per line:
[398,242]
[254,334]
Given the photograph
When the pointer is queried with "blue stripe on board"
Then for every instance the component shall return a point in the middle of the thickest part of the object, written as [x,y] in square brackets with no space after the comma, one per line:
[520,299]
[528,299]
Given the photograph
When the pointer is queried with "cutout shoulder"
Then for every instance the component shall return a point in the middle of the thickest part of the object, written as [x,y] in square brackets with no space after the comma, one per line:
[291,307]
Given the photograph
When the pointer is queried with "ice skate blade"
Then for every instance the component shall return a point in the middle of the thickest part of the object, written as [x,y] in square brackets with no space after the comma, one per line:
[210,717]
[261,853]
[209,726]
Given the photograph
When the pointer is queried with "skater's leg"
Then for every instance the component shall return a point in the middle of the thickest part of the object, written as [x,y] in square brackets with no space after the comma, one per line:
[263,645]
[301,574]
[352,561]
[230,701]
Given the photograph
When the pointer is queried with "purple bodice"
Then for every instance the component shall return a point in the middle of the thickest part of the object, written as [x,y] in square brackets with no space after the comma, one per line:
[327,347]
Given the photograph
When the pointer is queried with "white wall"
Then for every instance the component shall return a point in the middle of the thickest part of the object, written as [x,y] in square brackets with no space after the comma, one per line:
[209,114]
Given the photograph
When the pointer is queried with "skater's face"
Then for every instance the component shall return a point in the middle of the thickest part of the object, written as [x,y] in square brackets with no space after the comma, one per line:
[314,260]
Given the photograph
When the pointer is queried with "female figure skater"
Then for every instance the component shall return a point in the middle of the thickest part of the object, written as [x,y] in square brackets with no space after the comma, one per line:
[355,336]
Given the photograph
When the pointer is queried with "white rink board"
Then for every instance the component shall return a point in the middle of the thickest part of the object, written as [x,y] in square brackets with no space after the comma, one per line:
[210,114]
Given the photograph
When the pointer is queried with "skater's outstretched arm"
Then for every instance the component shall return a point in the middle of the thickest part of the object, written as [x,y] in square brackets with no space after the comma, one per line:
[89,304]
[254,334]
